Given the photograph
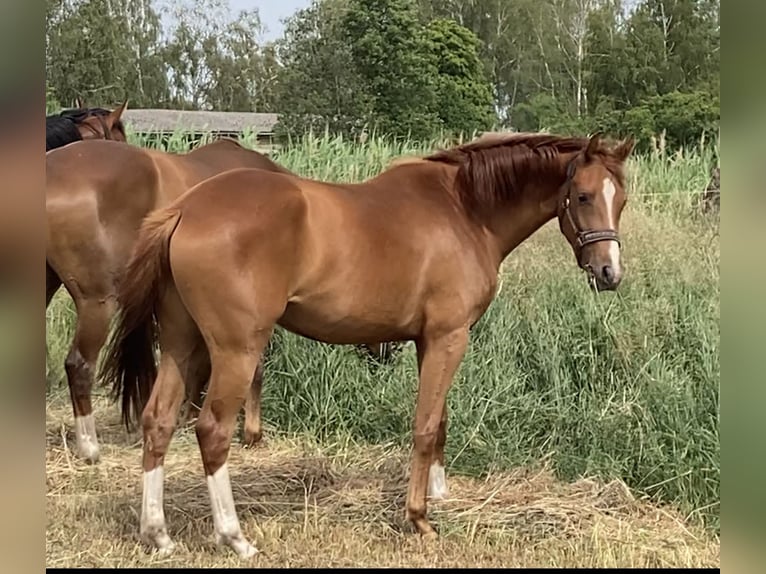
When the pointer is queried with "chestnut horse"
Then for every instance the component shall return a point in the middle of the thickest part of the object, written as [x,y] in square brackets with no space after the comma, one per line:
[410,255]
[65,127]
[97,193]
[84,124]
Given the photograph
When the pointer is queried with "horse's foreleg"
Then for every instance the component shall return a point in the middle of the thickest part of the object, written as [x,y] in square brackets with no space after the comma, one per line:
[52,284]
[438,359]
[437,478]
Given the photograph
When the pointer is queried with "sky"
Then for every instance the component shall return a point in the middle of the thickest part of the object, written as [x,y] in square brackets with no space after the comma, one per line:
[271,12]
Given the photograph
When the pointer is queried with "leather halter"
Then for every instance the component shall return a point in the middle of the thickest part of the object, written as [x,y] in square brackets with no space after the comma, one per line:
[583,237]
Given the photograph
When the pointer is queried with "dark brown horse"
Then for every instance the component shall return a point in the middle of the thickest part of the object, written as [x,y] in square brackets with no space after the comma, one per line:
[82,123]
[412,254]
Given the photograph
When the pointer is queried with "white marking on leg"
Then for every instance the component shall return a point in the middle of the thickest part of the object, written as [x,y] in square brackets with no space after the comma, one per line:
[85,433]
[437,482]
[225,518]
[153,528]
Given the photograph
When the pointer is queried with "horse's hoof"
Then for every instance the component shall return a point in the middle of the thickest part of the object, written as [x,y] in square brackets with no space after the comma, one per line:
[240,545]
[252,439]
[158,539]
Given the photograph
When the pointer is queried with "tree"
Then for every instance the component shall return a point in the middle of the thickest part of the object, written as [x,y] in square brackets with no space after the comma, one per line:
[390,54]
[104,51]
[317,84]
[464,101]
[672,45]
[214,59]
[240,75]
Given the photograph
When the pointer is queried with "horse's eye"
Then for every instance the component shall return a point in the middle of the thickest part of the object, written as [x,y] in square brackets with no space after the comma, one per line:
[582,198]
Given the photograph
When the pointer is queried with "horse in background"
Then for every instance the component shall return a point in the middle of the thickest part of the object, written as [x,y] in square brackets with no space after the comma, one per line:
[65,127]
[82,123]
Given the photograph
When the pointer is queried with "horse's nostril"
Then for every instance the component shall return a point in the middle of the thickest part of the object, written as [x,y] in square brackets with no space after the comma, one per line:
[608,273]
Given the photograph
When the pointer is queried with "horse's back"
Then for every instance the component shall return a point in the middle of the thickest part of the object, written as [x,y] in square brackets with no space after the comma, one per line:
[114,174]
[96,197]
[224,154]
[305,240]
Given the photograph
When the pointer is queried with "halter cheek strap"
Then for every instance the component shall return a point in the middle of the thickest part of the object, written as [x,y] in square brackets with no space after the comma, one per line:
[587,236]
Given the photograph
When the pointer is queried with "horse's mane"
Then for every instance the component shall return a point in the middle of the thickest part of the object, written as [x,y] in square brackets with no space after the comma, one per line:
[495,167]
[61,128]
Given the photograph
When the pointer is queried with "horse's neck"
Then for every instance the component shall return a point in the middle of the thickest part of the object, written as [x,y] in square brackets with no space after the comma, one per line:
[514,221]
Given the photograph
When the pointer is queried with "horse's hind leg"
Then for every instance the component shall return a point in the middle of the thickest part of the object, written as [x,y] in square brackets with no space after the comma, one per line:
[93,317]
[195,386]
[233,368]
[52,284]
[184,362]
[253,429]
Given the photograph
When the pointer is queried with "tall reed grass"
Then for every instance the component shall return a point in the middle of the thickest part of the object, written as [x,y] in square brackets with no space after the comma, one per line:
[616,385]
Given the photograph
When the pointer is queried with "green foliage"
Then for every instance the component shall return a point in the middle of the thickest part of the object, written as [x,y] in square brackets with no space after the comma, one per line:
[405,67]
[464,99]
[214,60]
[364,64]
[390,54]
[52,104]
[544,112]
[104,51]
[684,118]
[318,86]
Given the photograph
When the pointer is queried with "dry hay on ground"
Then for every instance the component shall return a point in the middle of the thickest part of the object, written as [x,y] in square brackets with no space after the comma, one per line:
[304,507]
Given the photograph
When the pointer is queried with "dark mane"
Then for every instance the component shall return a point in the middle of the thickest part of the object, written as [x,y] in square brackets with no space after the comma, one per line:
[60,132]
[61,128]
[496,167]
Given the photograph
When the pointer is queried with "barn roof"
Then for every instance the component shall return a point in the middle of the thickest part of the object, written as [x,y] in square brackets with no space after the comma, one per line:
[148,120]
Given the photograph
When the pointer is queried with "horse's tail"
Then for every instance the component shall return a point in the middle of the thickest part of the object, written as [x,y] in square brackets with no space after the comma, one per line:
[129,361]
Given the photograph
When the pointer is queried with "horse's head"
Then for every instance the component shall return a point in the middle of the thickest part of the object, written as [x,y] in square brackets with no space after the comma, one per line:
[98,123]
[590,205]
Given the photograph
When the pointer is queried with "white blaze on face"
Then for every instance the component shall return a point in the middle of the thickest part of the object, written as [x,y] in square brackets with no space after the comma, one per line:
[608,192]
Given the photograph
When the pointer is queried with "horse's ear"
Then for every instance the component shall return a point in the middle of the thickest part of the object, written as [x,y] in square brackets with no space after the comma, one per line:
[624,148]
[79,103]
[116,114]
[593,145]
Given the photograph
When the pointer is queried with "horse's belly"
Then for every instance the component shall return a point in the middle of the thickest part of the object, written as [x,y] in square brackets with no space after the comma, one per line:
[346,323]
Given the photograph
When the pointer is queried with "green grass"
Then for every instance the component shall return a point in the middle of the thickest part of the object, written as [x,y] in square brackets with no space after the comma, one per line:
[618,385]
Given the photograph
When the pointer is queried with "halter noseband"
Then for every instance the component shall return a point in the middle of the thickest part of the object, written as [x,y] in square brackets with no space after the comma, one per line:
[582,237]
